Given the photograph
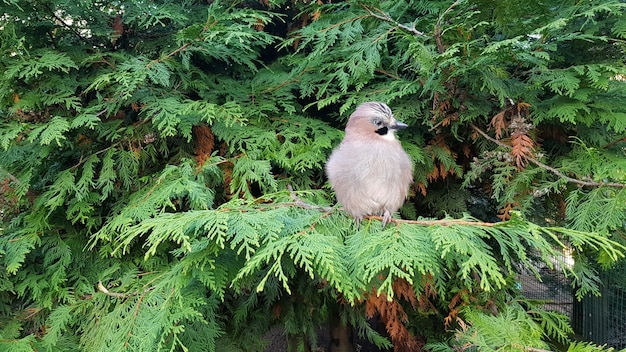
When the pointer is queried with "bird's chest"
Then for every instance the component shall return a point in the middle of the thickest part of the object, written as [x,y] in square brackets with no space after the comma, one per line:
[382,161]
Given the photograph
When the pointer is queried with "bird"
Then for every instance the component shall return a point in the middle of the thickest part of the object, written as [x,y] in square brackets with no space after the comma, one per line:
[369,170]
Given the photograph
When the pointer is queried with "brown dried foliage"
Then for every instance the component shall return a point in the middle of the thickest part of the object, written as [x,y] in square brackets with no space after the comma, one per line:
[466,148]
[118,29]
[304,20]
[503,121]
[439,171]
[499,124]
[316,15]
[394,317]
[420,187]
[259,26]
[205,143]
[523,147]
[512,121]
[443,114]
[8,200]
[505,213]
[458,301]
[228,179]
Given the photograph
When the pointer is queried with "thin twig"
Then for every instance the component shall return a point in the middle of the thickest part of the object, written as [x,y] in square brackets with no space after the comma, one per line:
[338,24]
[170,55]
[388,74]
[445,222]
[104,290]
[436,125]
[183,47]
[83,160]
[381,15]
[440,47]
[69,27]
[442,222]
[302,204]
[550,168]
[175,52]
[611,144]
[284,83]
[11,177]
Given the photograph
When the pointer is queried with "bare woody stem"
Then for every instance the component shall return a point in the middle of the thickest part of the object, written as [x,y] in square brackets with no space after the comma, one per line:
[381,15]
[104,290]
[302,204]
[438,32]
[445,222]
[550,168]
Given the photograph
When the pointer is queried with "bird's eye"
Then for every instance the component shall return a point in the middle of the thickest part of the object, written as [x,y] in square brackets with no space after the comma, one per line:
[377,122]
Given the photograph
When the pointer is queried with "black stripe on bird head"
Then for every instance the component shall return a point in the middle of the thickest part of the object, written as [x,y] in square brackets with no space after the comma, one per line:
[382,131]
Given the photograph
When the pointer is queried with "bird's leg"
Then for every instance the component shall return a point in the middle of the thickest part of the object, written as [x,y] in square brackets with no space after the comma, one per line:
[386,218]
[358,221]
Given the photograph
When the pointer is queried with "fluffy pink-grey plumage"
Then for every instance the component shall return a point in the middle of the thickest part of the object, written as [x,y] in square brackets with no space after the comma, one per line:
[369,171]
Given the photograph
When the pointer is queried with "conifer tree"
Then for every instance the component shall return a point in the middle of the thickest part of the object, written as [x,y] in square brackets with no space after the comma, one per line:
[162,184]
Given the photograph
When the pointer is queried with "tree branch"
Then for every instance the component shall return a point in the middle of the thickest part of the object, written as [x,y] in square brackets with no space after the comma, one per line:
[388,74]
[445,222]
[381,15]
[12,178]
[70,28]
[611,144]
[440,47]
[302,204]
[104,290]
[550,168]
[284,83]
[533,349]
[186,45]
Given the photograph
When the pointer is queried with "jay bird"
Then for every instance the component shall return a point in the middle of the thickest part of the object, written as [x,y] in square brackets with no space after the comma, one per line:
[369,171]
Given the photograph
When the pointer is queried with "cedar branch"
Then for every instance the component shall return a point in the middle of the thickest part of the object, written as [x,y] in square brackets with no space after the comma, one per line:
[13,178]
[70,27]
[104,290]
[186,45]
[342,23]
[445,222]
[284,83]
[381,15]
[440,47]
[302,204]
[550,168]
[611,144]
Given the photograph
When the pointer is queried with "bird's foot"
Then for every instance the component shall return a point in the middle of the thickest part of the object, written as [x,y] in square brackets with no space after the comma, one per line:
[358,221]
[386,218]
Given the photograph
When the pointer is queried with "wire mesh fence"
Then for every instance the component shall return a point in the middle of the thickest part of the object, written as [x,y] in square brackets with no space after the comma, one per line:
[599,319]
[602,319]
[552,287]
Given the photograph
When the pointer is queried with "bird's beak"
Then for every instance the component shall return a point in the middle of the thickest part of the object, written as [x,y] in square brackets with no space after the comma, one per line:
[398,125]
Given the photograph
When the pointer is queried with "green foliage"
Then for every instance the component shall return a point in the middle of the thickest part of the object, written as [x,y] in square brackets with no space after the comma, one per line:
[512,329]
[162,184]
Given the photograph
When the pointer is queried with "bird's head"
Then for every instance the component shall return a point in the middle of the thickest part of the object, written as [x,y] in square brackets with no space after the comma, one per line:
[373,119]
